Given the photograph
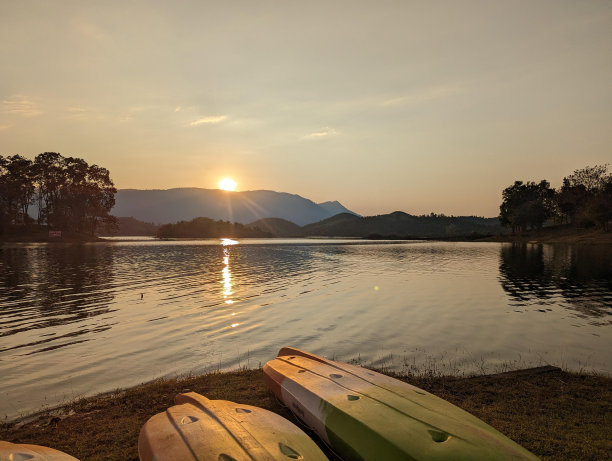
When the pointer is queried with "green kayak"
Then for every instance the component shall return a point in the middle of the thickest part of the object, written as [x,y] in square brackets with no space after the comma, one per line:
[364,415]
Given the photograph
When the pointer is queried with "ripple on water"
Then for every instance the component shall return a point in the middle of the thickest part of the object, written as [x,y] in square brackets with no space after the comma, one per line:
[89,318]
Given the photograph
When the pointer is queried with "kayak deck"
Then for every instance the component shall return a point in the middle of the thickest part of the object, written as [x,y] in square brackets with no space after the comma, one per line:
[15,451]
[197,428]
[366,415]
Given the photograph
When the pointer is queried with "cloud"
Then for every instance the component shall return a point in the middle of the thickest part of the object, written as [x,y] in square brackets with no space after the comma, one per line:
[76,112]
[89,30]
[178,109]
[211,119]
[323,132]
[4,127]
[427,94]
[20,105]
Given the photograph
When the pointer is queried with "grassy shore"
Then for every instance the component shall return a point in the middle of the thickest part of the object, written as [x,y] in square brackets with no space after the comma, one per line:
[555,414]
[556,234]
[42,236]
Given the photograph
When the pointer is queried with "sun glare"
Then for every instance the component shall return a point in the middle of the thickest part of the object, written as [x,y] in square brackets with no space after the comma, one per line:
[227,184]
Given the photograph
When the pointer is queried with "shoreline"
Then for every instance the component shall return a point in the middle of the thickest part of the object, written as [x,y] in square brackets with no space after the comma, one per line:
[43,237]
[553,413]
[555,236]
[586,238]
[564,234]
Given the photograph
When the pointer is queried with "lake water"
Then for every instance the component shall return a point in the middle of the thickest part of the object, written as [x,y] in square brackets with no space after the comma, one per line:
[81,319]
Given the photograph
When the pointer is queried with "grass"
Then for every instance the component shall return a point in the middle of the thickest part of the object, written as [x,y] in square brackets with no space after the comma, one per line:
[555,414]
[565,234]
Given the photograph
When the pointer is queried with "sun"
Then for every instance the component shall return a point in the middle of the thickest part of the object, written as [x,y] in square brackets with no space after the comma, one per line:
[227,184]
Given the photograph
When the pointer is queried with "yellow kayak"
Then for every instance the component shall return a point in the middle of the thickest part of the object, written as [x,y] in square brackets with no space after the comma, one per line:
[197,428]
[21,451]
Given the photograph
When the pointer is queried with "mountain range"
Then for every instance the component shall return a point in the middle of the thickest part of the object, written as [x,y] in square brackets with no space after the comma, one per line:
[197,212]
[183,204]
[393,225]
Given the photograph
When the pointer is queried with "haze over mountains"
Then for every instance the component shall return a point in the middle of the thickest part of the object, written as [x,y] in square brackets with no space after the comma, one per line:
[274,214]
[184,204]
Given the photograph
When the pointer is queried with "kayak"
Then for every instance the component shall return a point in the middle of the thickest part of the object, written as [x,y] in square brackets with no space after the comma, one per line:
[364,415]
[197,428]
[21,451]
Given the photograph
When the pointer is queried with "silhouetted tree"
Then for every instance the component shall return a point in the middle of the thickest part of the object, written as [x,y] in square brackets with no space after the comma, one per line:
[527,205]
[16,189]
[71,195]
[585,199]
[86,196]
[49,177]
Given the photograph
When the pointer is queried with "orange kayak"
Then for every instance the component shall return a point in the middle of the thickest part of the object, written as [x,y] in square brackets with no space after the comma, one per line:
[15,451]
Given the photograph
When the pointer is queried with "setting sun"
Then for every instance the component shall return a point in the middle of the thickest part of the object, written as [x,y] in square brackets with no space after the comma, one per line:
[227,184]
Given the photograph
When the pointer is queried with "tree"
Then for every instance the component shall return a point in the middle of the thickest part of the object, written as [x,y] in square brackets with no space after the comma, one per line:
[49,177]
[527,205]
[585,197]
[16,189]
[100,198]
[71,194]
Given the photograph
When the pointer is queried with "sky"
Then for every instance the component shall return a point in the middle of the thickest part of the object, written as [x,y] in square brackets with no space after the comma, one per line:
[428,106]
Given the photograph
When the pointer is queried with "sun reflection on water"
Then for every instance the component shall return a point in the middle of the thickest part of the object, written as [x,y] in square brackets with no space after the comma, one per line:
[227,280]
[227,274]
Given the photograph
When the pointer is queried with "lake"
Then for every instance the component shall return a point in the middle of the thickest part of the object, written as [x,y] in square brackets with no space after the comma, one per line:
[81,319]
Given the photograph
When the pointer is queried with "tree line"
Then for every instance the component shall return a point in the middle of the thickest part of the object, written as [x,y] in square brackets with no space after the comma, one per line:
[66,194]
[584,200]
[208,228]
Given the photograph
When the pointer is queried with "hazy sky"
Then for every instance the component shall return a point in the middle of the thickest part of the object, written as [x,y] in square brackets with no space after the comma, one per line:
[414,106]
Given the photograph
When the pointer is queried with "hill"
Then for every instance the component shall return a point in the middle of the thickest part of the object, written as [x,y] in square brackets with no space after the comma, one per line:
[393,225]
[172,205]
[400,224]
[277,227]
[208,228]
[132,226]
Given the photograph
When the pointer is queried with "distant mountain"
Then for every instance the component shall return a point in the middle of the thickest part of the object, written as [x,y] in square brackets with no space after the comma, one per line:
[278,227]
[393,225]
[278,214]
[399,224]
[334,208]
[184,204]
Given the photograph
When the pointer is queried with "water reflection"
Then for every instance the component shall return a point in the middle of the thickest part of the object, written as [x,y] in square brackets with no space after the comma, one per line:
[577,277]
[72,317]
[50,286]
[227,277]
